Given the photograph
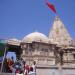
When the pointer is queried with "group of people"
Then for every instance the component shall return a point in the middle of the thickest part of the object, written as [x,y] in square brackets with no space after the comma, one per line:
[19,67]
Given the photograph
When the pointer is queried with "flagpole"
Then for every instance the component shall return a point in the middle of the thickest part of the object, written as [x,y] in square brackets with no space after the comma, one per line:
[4,57]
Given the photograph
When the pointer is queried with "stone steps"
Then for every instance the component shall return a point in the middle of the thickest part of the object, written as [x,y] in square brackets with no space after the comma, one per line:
[7,74]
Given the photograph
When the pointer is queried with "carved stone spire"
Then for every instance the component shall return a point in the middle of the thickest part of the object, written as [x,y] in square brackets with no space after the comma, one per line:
[59,34]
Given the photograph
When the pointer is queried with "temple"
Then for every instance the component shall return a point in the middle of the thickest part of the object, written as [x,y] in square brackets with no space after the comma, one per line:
[49,52]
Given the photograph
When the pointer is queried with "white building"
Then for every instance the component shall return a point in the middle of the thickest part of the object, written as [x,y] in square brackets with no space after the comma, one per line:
[49,52]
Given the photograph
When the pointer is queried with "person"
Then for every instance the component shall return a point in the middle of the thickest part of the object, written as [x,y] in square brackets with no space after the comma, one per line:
[26,68]
[19,73]
[12,63]
[31,72]
[9,64]
[34,67]
[17,66]
[12,60]
[21,61]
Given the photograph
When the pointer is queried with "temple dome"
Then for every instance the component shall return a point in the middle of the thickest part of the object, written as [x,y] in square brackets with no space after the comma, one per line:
[35,36]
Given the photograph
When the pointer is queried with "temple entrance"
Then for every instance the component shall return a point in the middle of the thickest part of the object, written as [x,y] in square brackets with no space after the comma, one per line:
[15,49]
[11,51]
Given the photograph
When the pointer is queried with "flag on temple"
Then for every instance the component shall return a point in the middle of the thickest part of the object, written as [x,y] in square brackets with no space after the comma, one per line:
[51,6]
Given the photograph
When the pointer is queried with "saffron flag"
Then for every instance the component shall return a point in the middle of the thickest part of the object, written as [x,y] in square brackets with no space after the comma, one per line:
[51,6]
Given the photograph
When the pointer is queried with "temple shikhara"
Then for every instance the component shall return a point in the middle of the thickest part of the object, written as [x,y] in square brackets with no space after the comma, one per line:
[51,53]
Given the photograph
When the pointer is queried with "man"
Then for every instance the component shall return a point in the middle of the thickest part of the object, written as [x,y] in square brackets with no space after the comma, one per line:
[34,67]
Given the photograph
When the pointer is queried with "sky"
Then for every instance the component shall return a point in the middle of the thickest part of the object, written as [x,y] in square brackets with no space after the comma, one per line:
[21,17]
[11,54]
